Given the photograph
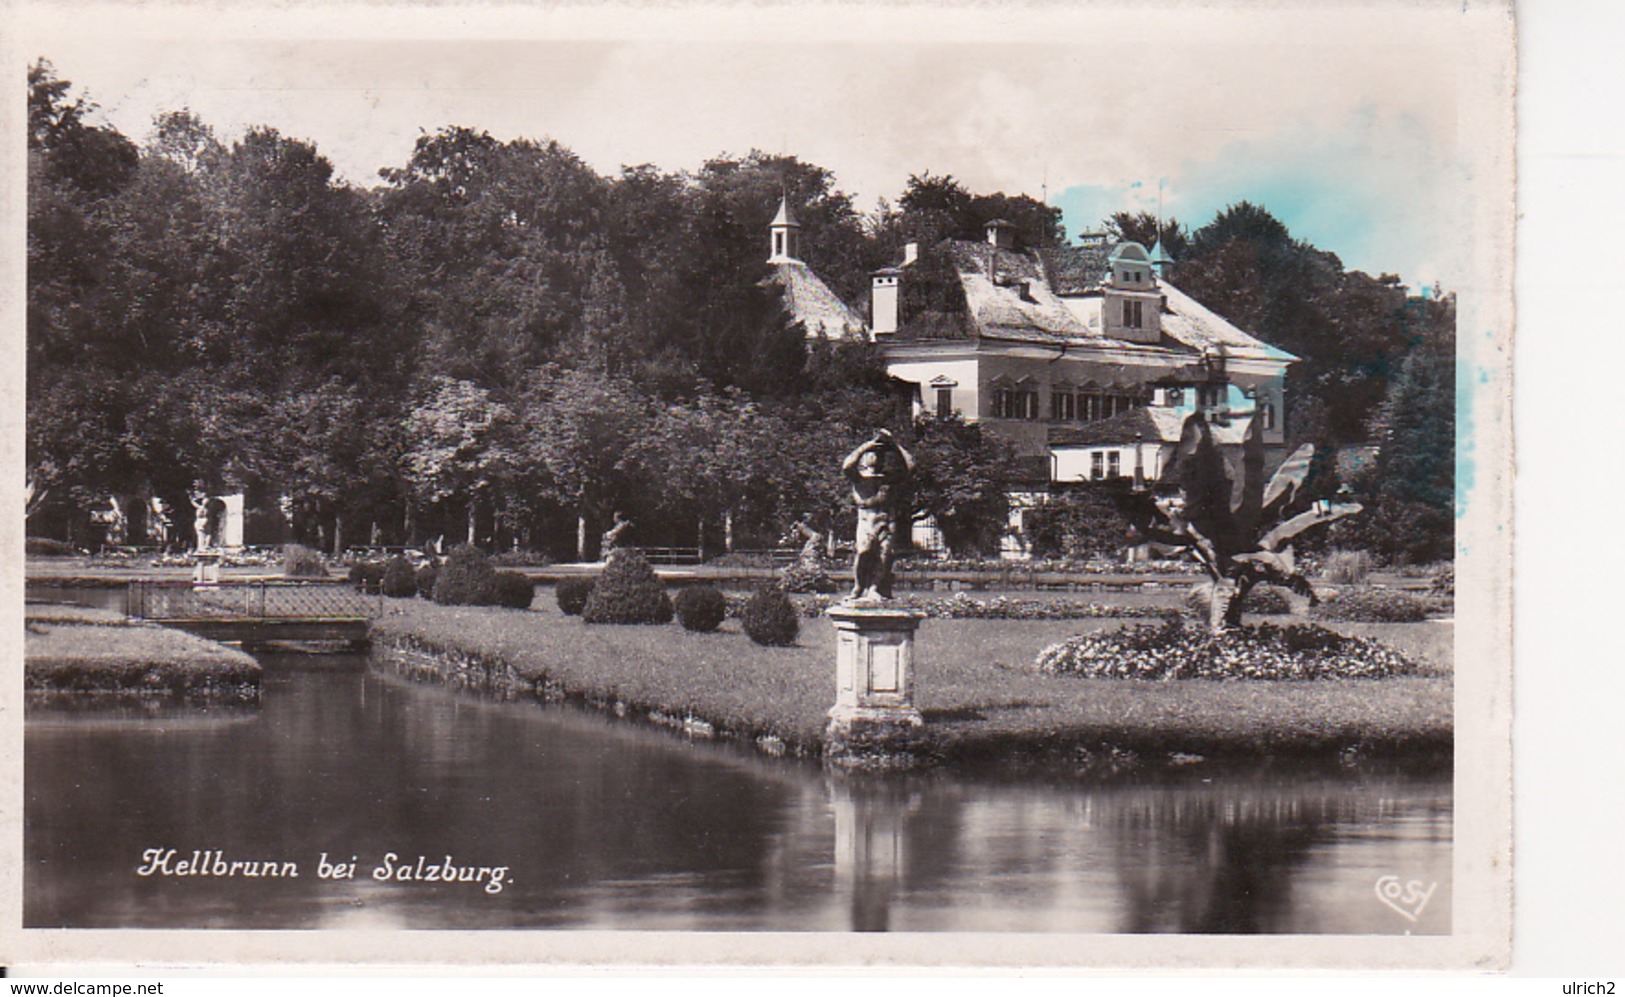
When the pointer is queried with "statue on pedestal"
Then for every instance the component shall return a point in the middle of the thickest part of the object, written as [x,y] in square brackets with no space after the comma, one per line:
[200,514]
[878,471]
[611,540]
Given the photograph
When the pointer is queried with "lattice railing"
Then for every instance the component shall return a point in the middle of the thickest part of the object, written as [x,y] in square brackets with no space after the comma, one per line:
[265,599]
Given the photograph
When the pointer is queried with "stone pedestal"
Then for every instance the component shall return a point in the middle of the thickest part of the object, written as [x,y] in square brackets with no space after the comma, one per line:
[207,572]
[874,681]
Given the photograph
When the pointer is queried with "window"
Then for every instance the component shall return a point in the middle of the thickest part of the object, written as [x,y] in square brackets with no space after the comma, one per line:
[1133,314]
[1027,404]
[945,402]
[1114,464]
[1108,407]
[1004,403]
[778,243]
[1062,405]
[1097,465]
[1175,397]
[1266,411]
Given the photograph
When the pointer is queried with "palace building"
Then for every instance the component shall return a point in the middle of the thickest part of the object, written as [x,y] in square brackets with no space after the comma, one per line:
[1085,357]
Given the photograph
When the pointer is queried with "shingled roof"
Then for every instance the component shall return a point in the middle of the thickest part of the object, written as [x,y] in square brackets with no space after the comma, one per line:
[1076,269]
[811,303]
[1007,296]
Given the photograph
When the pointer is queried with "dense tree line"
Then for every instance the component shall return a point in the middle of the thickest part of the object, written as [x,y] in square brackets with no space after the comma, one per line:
[498,344]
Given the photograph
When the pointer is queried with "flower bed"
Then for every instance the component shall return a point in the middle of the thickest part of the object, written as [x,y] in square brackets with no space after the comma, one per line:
[1367,605]
[960,606]
[1174,651]
[920,565]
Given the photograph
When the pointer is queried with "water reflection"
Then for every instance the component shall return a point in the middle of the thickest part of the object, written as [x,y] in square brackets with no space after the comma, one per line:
[605,825]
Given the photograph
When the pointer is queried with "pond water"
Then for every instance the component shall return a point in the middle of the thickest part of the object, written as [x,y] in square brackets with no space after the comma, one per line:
[600,823]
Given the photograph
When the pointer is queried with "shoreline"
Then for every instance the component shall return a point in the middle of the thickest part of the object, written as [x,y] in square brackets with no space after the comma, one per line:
[73,652]
[981,712]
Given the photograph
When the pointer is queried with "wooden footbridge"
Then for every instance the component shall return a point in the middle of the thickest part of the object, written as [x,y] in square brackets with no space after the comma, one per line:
[258,611]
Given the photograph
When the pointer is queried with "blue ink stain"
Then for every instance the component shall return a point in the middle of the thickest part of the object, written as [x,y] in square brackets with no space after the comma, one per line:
[1468,377]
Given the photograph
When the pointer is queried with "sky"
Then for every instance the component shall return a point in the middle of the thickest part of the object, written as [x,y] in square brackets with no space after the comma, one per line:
[1343,121]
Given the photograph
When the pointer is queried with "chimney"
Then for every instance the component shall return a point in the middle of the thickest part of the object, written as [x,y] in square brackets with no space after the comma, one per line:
[883,303]
[911,252]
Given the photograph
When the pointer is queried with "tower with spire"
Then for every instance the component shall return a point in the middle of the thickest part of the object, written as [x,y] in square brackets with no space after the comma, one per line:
[808,300]
[785,233]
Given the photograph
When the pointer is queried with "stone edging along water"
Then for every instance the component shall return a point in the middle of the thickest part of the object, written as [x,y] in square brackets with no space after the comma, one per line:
[420,661]
[71,653]
[1055,745]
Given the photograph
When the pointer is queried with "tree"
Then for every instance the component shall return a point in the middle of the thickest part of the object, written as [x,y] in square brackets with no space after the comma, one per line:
[961,479]
[936,208]
[454,445]
[1145,229]
[1412,484]
[496,243]
[714,453]
[583,434]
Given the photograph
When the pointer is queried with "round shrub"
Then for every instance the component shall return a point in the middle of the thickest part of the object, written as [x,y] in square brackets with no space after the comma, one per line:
[701,608]
[465,578]
[367,576]
[628,591]
[1371,606]
[425,579]
[399,581]
[512,589]
[1174,651]
[572,594]
[299,561]
[770,619]
[1262,600]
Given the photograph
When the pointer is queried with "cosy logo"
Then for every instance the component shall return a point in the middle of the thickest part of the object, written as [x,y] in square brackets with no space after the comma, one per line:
[1407,899]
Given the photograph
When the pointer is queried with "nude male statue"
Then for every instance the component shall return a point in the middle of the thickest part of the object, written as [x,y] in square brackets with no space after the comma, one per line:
[878,471]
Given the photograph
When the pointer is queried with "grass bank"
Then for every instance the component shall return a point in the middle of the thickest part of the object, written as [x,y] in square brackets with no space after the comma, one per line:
[70,652]
[982,701]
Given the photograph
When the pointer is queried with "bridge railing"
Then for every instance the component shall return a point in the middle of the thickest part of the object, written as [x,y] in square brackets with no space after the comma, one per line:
[258,598]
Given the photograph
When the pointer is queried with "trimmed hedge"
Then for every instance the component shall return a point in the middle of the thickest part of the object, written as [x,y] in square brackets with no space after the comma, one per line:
[701,608]
[572,594]
[46,547]
[628,591]
[1371,606]
[367,576]
[770,619]
[299,561]
[512,589]
[465,579]
[522,559]
[399,581]
[1174,651]
[425,578]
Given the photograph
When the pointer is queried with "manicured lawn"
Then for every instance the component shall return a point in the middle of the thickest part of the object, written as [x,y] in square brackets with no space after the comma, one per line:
[974,684]
[73,650]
